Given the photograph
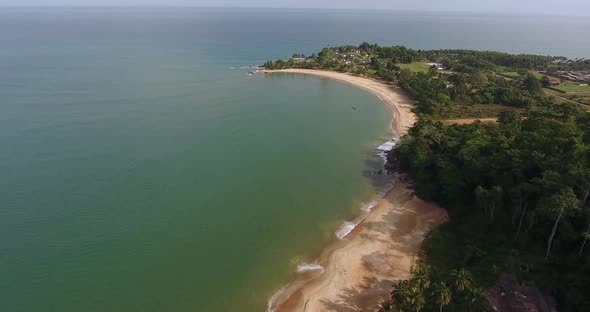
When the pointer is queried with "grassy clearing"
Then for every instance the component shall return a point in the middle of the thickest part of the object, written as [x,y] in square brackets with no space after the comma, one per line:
[506,72]
[573,87]
[582,99]
[477,111]
[502,69]
[415,67]
[561,98]
[509,74]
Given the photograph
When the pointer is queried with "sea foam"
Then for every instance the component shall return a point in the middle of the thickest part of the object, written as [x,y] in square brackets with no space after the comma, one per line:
[308,267]
[271,301]
[346,228]
[349,226]
[371,205]
[302,268]
[385,148]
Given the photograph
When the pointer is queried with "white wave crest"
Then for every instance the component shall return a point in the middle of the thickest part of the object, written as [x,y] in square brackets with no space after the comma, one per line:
[349,226]
[371,205]
[307,267]
[385,148]
[345,229]
[271,301]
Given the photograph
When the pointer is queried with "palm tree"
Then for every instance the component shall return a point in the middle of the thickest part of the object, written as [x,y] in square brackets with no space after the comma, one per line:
[442,295]
[416,299]
[559,205]
[409,297]
[586,236]
[421,275]
[463,279]
[477,300]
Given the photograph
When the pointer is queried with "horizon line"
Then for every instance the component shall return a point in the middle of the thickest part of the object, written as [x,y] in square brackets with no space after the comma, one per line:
[163,6]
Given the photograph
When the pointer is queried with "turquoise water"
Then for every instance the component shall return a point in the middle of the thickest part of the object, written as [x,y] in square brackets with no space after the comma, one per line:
[143,170]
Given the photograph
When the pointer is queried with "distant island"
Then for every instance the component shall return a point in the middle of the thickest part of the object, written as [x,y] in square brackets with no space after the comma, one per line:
[502,142]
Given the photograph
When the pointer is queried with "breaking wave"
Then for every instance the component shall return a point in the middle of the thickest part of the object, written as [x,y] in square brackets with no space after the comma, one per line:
[308,267]
[371,205]
[385,148]
[349,226]
[346,228]
[271,301]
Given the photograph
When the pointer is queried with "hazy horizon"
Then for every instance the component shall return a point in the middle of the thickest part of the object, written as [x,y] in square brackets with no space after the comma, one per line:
[544,7]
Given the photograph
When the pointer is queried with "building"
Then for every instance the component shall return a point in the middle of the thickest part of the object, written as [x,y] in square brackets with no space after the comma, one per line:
[438,66]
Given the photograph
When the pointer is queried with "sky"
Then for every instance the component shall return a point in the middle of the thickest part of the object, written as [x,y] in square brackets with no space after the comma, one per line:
[574,7]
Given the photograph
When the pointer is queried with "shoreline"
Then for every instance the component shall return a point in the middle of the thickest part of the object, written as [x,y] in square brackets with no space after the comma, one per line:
[393,96]
[356,273]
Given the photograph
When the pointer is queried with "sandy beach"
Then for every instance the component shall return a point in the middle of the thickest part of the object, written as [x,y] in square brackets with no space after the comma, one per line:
[360,269]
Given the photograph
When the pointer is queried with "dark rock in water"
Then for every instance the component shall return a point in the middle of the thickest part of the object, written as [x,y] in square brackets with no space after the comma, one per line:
[392,165]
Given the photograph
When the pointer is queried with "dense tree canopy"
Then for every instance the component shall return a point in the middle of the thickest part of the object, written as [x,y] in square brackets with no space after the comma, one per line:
[466,61]
[527,176]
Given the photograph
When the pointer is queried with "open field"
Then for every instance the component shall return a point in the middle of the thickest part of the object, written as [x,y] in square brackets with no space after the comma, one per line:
[465,121]
[510,73]
[415,67]
[478,111]
[573,87]
[583,99]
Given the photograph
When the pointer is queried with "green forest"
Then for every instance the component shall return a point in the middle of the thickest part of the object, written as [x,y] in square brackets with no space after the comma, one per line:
[516,190]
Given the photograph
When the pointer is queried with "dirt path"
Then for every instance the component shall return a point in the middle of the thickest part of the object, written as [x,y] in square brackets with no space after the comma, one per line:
[465,121]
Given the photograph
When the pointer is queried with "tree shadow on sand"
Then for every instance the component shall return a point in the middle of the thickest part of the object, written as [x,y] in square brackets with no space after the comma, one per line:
[397,228]
[361,297]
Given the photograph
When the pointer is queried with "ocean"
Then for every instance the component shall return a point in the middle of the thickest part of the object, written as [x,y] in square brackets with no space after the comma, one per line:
[143,169]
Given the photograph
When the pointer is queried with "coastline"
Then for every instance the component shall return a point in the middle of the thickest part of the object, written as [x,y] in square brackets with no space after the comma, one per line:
[356,273]
[393,96]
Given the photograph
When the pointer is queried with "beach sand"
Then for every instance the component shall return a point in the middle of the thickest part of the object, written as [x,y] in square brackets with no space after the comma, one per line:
[360,269]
